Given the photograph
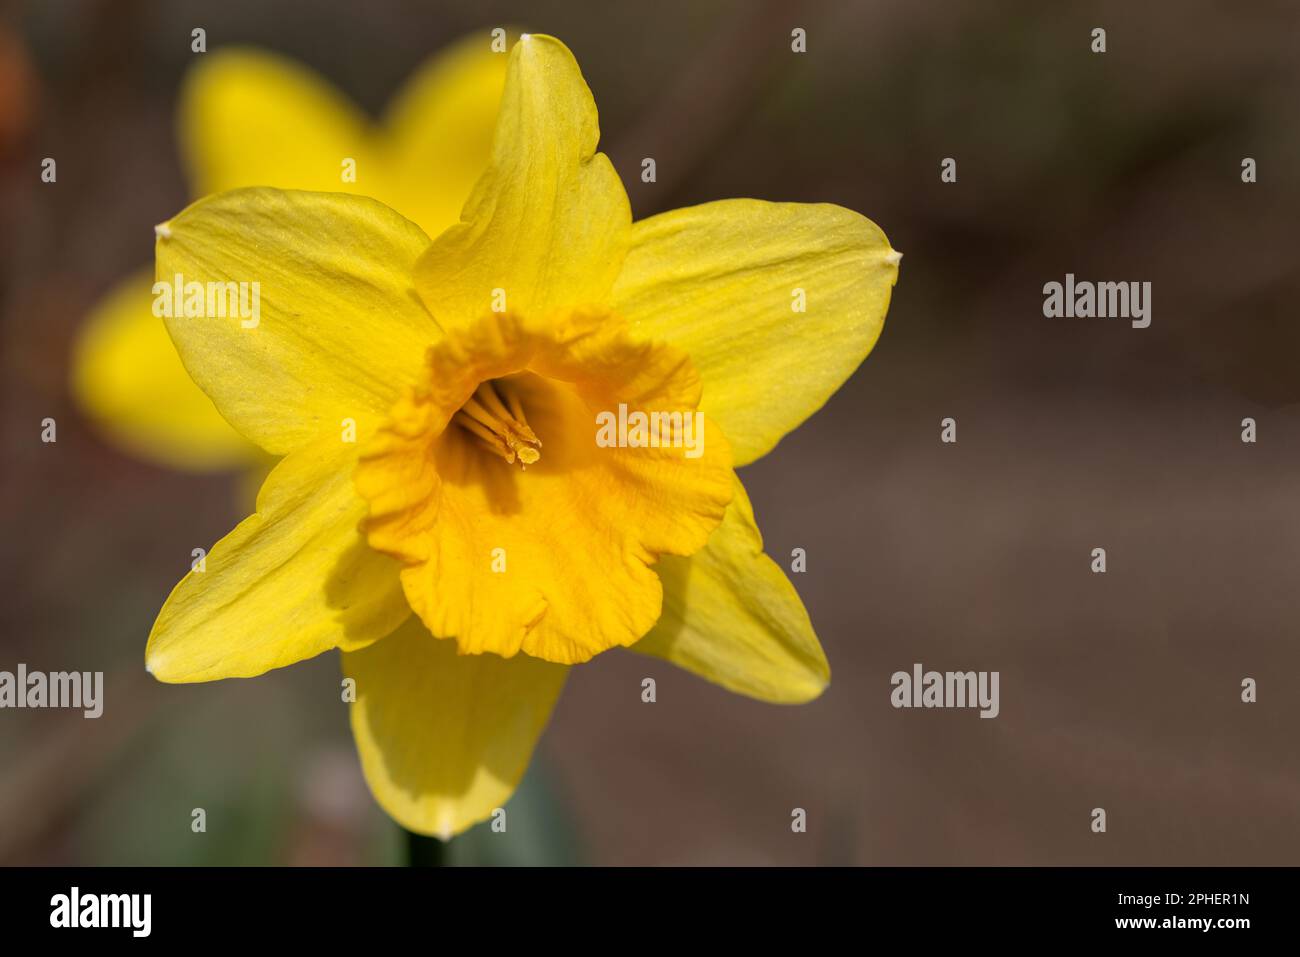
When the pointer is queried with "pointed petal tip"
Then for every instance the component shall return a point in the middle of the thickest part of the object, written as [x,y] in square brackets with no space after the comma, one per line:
[156,666]
[163,230]
[446,827]
[534,42]
[893,257]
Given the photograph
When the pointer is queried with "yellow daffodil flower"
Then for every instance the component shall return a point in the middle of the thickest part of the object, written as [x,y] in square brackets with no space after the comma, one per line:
[472,370]
[249,118]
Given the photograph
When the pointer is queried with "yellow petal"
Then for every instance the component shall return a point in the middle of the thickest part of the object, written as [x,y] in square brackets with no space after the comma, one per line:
[722,280]
[436,136]
[250,118]
[444,738]
[548,223]
[291,581]
[732,617]
[553,560]
[339,329]
[128,378]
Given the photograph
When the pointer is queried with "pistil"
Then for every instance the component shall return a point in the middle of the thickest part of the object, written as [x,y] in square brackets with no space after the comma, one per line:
[495,416]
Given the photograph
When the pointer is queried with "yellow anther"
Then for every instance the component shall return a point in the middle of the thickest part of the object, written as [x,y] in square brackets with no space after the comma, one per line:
[499,424]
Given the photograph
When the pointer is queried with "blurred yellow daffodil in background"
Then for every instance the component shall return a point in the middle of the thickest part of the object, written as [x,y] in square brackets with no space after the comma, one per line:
[405,382]
[250,118]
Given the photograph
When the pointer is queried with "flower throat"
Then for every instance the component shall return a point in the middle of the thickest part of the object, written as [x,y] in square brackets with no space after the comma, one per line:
[495,417]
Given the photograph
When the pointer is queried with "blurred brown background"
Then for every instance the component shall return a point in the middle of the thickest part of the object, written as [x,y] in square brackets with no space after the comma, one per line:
[1120,691]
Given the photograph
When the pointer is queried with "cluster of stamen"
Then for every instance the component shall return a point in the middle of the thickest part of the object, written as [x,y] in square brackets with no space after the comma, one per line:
[494,415]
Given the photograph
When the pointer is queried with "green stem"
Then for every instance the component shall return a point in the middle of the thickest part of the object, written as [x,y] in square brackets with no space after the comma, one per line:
[424,851]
